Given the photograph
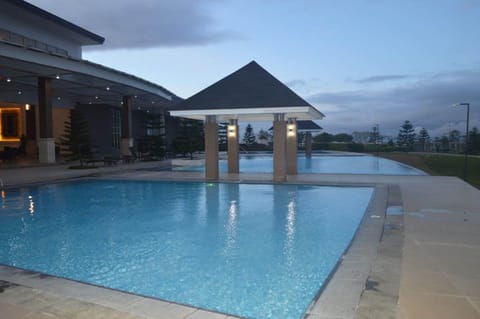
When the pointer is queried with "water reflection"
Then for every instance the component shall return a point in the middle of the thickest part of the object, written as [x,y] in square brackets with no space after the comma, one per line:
[376,164]
[231,226]
[290,227]
[4,195]
[31,205]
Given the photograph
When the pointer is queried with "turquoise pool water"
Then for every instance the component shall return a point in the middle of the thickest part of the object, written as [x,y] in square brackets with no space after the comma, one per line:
[252,250]
[327,164]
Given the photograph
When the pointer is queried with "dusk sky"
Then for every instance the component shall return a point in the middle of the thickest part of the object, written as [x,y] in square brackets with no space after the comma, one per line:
[360,62]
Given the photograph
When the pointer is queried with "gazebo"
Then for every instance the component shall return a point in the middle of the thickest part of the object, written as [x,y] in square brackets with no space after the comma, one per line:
[308,127]
[249,94]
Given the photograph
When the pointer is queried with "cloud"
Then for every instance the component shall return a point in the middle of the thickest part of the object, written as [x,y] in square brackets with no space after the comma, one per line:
[382,78]
[426,103]
[143,24]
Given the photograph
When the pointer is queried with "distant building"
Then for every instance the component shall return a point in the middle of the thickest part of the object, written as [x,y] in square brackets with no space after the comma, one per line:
[361,137]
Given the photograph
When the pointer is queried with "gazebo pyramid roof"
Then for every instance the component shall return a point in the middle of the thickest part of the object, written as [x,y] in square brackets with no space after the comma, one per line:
[249,93]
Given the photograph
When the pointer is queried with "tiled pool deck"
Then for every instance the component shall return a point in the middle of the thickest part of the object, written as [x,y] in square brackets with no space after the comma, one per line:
[416,255]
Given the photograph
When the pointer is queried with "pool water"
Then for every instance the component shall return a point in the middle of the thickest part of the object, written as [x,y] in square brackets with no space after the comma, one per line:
[251,250]
[327,164]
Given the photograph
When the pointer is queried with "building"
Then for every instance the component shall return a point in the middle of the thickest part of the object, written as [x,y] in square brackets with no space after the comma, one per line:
[43,76]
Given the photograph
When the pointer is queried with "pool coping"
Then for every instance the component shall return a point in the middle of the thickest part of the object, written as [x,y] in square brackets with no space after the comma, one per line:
[339,298]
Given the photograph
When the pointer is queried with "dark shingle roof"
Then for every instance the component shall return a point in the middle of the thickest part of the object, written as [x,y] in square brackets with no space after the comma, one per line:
[249,87]
[306,126]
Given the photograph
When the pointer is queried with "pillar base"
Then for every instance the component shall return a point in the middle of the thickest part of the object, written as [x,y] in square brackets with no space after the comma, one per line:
[46,150]
[125,145]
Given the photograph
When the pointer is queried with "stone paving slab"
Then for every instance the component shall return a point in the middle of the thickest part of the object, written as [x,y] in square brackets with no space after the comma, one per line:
[25,294]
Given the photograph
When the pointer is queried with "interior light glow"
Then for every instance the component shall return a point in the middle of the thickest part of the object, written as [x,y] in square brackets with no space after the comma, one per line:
[57,77]
[27,107]
[9,80]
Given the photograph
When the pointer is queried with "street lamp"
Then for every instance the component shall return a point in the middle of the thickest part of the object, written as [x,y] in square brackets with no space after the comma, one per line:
[466,139]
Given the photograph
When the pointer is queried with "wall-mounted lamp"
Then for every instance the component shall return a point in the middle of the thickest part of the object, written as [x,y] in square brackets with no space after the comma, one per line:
[232,130]
[27,107]
[291,129]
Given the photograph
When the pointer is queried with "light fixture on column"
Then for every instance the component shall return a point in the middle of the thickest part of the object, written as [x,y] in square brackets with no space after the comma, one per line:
[232,130]
[291,128]
[9,80]
[27,107]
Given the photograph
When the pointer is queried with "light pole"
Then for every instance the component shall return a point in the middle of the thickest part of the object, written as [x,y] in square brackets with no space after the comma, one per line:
[466,140]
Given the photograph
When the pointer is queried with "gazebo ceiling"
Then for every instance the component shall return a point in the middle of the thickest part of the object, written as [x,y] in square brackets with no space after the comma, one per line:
[248,94]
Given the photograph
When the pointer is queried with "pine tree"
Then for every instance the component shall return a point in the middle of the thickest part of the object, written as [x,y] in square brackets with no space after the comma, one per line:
[423,138]
[249,135]
[75,143]
[153,142]
[406,136]
[375,136]
[189,137]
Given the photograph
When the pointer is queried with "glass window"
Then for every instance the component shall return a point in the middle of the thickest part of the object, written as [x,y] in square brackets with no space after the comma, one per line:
[10,124]
[116,128]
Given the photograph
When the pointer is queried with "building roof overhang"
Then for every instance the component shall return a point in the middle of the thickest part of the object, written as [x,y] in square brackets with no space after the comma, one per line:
[82,35]
[73,81]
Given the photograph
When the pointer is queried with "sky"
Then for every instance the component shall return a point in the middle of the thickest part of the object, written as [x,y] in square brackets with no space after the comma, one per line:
[360,62]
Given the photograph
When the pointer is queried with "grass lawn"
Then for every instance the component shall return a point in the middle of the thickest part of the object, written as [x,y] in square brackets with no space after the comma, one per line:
[440,164]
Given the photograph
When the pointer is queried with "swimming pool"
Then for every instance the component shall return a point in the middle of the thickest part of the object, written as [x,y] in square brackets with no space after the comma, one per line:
[252,250]
[327,164]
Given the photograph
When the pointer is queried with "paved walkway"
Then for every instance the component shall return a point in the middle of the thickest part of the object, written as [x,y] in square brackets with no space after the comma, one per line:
[439,263]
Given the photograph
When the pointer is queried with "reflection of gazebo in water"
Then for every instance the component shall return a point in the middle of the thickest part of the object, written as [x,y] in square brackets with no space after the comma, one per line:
[308,127]
[249,94]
